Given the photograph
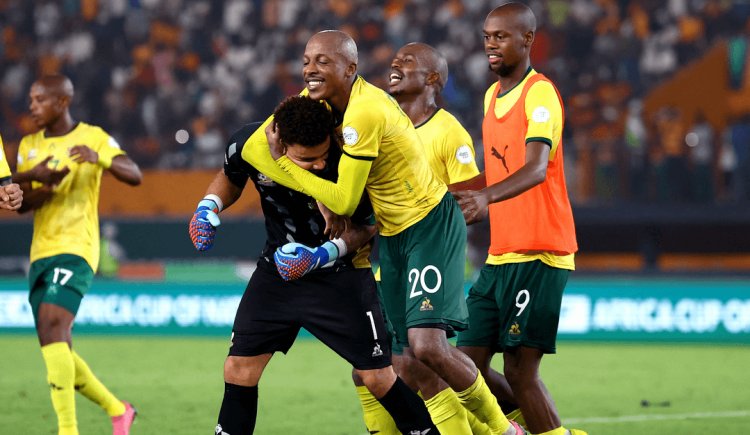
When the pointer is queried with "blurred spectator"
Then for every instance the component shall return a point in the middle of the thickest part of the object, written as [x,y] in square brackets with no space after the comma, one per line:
[740,137]
[668,156]
[635,149]
[146,70]
[701,148]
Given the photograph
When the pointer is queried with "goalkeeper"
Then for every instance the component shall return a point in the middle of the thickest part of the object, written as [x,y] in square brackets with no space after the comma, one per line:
[337,302]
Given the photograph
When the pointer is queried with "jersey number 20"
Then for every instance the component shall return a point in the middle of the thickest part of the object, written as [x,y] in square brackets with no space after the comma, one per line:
[417,277]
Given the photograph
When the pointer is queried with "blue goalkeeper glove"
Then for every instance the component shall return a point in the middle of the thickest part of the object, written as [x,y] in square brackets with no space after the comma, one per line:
[294,260]
[203,224]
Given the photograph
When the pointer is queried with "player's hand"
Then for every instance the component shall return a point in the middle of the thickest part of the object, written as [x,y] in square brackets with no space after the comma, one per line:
[46,175]
[82,153]
[203,225]
[11,196]
[336,225]
[294,260]
[274,141]
[474,205]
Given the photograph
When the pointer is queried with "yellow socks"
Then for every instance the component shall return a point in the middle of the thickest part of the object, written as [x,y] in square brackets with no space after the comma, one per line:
[478,400]
[477,427]
[90,386]
[377,419]
[60,376]
[448,414]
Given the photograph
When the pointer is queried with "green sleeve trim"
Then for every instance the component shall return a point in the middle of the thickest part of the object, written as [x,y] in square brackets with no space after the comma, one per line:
[539,139]
[428,119]
[365,158]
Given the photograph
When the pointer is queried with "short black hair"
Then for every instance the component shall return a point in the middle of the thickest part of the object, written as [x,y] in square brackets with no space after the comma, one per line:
[304,121]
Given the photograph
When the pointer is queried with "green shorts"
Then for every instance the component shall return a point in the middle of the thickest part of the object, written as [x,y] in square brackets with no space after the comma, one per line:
[60,280]
[515,304]
[422,273]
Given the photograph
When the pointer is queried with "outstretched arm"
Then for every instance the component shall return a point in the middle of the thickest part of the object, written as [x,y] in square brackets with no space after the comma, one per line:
[474,204]
[475,183]
[120,166]
[343,196]
[224,189]
[126,170]
[221,193]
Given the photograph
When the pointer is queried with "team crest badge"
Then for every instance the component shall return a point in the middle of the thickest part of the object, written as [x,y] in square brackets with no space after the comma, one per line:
[263,180]
[515,329]
[463,155]
[350,135]
[540,114]
[426,305]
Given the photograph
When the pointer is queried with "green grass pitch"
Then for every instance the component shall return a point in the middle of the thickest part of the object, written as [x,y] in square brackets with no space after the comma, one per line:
[176,384]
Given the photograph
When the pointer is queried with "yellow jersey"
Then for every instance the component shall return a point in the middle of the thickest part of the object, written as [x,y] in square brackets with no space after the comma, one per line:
[4,168]
[382,153]
[544,116]
[68,223]
[257,153]
[449,147]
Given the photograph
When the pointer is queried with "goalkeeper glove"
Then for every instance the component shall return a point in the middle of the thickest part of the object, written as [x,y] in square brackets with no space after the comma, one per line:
[204,222]
[294,260]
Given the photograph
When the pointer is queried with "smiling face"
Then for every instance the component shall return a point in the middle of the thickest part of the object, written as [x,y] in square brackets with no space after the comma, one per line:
[408,71]
[309,158]
[329,65]
[508,35]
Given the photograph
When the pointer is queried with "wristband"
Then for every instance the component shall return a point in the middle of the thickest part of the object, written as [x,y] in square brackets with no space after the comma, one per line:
[341,245]
[215,199]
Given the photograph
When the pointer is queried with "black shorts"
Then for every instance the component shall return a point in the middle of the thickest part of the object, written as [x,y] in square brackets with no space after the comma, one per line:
[340,308]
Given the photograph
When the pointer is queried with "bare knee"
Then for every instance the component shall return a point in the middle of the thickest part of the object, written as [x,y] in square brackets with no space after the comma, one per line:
[521,368]
[54,324]
[356,378]
[378,381]
[245,371]
[428,353]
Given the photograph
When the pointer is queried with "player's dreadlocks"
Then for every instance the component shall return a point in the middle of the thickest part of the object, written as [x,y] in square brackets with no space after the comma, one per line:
[304,121]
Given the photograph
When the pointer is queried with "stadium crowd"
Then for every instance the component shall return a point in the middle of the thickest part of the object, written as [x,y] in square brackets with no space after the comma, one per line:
[170,79]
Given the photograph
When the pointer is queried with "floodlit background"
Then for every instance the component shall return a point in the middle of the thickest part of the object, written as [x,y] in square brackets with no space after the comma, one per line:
[657,153]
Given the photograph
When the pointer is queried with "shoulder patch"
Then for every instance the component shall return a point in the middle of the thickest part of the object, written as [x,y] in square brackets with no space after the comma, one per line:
[113,143]
[540,114]
[264,180]
[231,150]
[350,135]
[463,154]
